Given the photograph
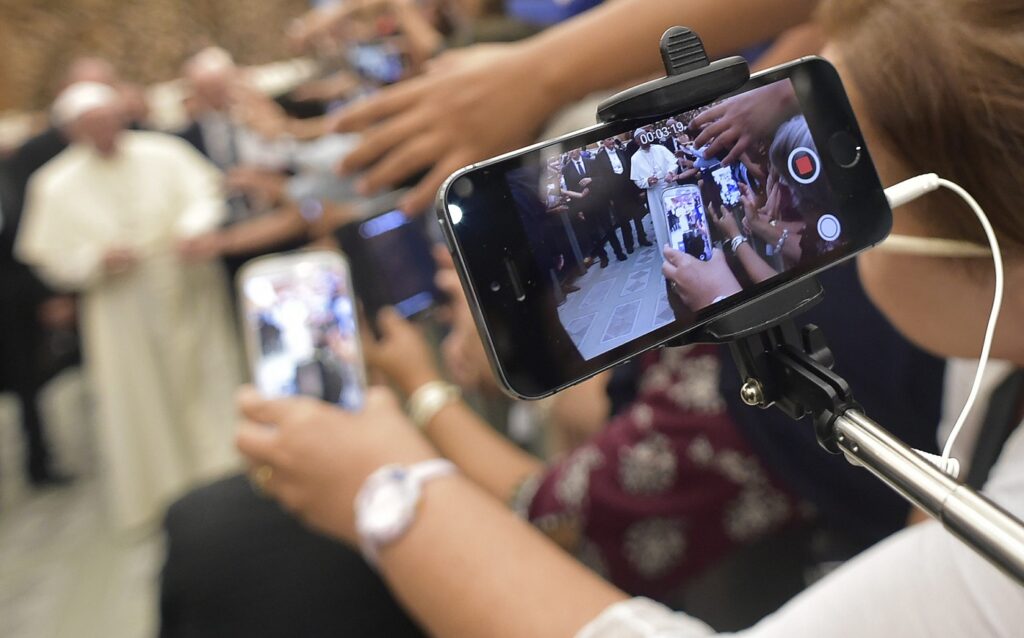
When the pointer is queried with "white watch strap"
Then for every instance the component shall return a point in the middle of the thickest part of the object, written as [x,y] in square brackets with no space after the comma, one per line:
[414,477]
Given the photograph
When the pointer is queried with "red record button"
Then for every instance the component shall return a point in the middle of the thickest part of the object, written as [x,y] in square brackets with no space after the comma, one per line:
[804,165]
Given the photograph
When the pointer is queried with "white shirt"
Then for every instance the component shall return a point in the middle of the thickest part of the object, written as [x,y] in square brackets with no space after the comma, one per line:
[613,156]
[919,583]
[656,162]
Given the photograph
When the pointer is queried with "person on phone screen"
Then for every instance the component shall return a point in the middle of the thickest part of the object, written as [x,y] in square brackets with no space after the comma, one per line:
[613,169]
[653,170]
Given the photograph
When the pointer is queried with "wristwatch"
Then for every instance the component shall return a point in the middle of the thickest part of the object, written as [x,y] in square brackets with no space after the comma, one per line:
[386,503]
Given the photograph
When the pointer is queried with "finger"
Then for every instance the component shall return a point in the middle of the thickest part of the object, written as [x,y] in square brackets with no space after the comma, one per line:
[724,141]
[390,323]
[383,137]
[422,196]
[381,397]
[449,283]
[710,132]
[738,150]
[260,444]
[369,110]
[403,162]
[443,257]
[256,407]
[708,116]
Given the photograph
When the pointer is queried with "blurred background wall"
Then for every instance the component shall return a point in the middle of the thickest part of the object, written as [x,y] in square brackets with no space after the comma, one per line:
[146,39]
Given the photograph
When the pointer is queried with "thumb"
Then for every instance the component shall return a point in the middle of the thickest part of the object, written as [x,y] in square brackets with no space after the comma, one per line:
[255,407]
[391,324]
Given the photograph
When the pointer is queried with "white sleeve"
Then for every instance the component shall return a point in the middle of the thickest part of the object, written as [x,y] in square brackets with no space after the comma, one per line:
[202,195]
[920,583]
[638,174]
[51,244]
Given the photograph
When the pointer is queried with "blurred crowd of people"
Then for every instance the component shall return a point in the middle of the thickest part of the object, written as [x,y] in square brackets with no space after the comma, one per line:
[131,237]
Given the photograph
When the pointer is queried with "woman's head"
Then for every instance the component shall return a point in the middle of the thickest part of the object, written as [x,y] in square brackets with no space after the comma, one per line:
[938,86]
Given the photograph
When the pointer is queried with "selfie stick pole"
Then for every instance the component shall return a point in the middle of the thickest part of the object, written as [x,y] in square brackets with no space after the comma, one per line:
[791,369]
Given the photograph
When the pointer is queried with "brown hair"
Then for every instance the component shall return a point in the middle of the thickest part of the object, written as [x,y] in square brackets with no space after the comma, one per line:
[942,81]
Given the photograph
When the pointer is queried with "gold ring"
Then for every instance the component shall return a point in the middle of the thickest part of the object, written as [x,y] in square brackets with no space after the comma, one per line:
[261,476]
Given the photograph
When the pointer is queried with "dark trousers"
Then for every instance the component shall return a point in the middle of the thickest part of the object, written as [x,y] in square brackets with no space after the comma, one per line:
[628,215]
[21,340]
[600,231]
[238,565]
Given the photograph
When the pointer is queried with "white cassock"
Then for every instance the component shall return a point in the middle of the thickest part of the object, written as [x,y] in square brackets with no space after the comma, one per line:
[159,342]
[657,161]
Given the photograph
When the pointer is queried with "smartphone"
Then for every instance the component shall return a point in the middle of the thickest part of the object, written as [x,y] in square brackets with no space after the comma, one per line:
[381,61]
[301,330]
[546,327]
[688,230]
[392,264]
[728,187]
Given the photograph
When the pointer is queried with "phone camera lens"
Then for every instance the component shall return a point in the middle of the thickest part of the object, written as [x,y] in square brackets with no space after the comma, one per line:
[495,286]
[463,188]
[845,148]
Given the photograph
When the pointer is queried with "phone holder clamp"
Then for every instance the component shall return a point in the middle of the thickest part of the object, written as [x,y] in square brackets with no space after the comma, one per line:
[691,80]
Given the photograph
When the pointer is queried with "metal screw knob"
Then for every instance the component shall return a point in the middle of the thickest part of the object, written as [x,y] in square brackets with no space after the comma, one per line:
[752,393]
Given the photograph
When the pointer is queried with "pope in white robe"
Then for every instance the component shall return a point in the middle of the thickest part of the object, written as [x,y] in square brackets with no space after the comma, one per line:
[652,165]
[110,217]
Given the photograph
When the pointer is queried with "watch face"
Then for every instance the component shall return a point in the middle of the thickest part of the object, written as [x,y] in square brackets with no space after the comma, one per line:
[389,506]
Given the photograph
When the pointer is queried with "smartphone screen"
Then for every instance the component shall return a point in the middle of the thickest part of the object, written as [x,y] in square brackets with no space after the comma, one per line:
[380,62]
[688,230]
[301,327]
[391,264]
[728,187]
[563,291]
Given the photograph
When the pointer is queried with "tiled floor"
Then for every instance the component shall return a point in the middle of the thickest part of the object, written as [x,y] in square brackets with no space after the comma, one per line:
[618,303]
[62,572]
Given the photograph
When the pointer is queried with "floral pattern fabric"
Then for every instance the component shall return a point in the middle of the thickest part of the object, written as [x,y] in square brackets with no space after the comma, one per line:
[667,489]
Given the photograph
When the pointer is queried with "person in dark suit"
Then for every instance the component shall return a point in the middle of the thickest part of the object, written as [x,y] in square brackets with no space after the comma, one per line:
[579,174]
[23,300]
[612,168]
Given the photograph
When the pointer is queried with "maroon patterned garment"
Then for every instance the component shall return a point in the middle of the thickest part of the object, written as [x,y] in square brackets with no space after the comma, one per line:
[668,488]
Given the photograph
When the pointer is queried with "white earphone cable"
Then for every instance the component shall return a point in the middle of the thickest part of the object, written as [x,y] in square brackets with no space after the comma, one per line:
[906,192]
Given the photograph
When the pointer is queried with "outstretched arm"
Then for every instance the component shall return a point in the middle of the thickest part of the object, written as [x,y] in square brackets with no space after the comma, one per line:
[488,100]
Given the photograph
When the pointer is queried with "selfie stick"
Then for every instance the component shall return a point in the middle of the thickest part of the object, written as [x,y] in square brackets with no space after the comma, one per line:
[791,368]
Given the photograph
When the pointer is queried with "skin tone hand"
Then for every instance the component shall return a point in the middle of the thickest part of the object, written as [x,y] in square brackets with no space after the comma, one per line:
[320,455]
[451,116]
[201,248]
[725,221]
[462,351]
[402,353]
[699,283]
[118,261]
[740,122]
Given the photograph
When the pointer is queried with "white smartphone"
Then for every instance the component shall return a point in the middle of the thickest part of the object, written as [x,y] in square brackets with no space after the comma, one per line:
[301,327]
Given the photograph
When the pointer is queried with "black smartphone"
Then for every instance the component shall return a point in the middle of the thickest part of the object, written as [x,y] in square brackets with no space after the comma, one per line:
[392,264]
[552,311]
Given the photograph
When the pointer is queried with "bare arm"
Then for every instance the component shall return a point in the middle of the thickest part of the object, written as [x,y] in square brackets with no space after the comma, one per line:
[485,456]
[467,566]
[508,579]
[756,268]
[488,100]
[262,232]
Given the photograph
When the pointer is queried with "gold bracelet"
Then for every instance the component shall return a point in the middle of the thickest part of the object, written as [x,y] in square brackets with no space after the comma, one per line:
[429,399]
